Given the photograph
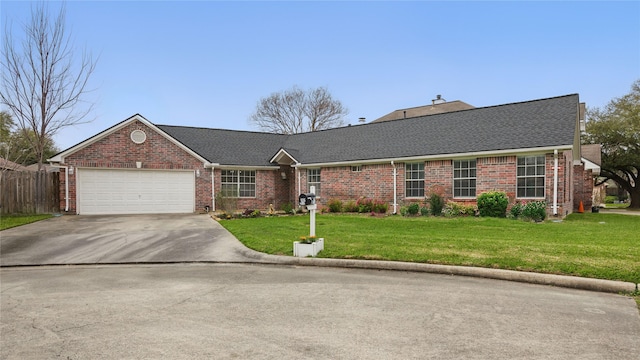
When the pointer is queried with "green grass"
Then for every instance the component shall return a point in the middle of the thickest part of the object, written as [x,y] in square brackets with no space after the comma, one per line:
[604,246]
[616,206]
[9,221]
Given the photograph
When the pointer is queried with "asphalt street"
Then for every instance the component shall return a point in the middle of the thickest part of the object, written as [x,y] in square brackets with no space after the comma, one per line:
[245,311]
[181,286]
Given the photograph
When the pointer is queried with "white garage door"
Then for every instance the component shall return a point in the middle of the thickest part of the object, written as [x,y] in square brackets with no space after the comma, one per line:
[108,191]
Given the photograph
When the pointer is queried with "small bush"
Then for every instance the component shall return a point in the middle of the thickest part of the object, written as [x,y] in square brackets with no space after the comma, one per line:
[350,206]
[424,211]
[225,203]
[535,210]
[454,209]
[436,203]
[335,205]
[413,209]
[516,210]
[404,210]
[380,207]
[251,213]
[365,205]
[286,207]
[493,204]
[610,199]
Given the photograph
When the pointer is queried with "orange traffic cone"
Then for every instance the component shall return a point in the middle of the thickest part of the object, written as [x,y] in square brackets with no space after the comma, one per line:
[581,208]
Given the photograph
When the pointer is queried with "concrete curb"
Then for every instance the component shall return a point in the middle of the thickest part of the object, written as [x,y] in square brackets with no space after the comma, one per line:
[572,282]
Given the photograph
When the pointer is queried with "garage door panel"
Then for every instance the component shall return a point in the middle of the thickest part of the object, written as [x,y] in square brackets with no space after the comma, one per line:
[110,191]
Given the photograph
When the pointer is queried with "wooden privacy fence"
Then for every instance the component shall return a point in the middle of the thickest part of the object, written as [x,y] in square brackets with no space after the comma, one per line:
[29,192]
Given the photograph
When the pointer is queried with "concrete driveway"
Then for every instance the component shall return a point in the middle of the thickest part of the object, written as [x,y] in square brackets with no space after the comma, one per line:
[119,239]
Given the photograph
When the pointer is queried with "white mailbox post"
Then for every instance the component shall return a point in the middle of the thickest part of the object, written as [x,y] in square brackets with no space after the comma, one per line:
[312,213]
[309,248]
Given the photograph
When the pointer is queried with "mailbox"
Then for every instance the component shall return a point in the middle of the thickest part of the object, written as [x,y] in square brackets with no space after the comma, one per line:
[307,199]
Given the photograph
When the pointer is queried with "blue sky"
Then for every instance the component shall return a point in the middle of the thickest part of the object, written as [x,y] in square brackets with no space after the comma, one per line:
[207,63]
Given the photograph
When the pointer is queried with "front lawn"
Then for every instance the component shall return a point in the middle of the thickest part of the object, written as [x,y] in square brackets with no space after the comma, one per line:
[9,221]
[604,246]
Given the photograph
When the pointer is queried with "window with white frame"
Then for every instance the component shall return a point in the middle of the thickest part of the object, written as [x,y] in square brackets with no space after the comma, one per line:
[414,179]
[313,179]
[464,178]
[238,183]
[530,176]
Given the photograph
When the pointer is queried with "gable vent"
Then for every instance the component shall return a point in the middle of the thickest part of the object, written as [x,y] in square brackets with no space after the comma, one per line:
[138,136]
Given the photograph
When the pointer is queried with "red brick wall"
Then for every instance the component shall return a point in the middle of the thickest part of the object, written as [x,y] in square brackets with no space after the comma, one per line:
[268,190]
[583,185]
[117,151]
[493,173]
[438,178]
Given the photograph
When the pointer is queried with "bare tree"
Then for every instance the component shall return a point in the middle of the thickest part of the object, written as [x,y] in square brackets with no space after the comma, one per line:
[43,83]
[294,111]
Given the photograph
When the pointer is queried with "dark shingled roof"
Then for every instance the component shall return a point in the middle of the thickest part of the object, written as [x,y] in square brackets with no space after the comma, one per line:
[228,147]
[530,124]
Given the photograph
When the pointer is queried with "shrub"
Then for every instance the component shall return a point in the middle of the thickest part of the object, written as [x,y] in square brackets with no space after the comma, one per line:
[226,204]
[251,213]
[413,209]
[404,210]
[335,205]
[456,209]
[365,205]
[424,211]
[516,210]
[610,199]
[380,207]
[286,207]
[535,210]
[350,206]
[493,204]
[436,203]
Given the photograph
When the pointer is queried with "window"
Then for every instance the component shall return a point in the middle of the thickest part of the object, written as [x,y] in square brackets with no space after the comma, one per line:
[414,180]
[530,176]
[356,168]
[464,178]
[313,179]
[238,183]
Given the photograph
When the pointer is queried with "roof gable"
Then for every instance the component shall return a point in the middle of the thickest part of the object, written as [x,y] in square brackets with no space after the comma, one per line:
[137,117]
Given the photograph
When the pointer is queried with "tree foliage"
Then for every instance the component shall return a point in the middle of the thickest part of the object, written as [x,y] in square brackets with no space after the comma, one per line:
[16,143]
[617,129]
[43,81]
[295,110]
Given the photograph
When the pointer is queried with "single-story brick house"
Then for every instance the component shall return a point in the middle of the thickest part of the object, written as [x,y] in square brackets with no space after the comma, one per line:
[530,150]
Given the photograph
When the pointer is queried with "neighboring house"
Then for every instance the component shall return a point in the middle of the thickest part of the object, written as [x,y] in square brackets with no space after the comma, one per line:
[530,150]
[592,159]
[7,165]
[438,106]
[45,167]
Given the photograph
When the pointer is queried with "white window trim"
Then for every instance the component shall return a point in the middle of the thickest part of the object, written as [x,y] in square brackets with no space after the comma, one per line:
[237,182]
[453,180]
[544,183]
[414,180]
[317,184]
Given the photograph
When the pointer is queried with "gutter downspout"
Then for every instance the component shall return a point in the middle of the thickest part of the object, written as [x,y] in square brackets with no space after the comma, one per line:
[66,185]
[299,180]
[395,189]
[555,182]
[213,189]
[212,166]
